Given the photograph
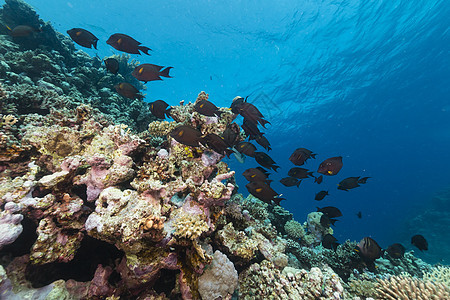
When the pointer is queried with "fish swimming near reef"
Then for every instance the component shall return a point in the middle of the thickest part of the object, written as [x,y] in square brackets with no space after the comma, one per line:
[300,155]
[368,249]
[249,111]
[263,192]
[300,173]
[255,175]
[290,181]
[330,211]
[420,242]
[320,195]
[217,144]
[150,72]
[351,183]
[207,108]
[246,148]
[128,90]
[331,166]
[187,135]
[159,109]
[251,129]
[263,142]
[231,134]
[83,37]
[396,250]
[266,161]
[126,43]
[112,65]
[319,179]
[23,30]
[329,242]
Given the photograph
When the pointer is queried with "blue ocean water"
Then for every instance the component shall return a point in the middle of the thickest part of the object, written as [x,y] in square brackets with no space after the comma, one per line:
[367,80]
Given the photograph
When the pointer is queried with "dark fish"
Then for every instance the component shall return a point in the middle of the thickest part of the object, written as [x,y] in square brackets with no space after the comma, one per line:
[251,129]
[207,108]
[150,72]
[330,211]
[318,179]
[320,195]
[255,175]
[217,144]
[237,101]
[300,156]
[329,242]
[420,242]
[112,65]
[351,183]
[331,166]
[266,161]
[250,112]
[396,250]
[359,215]
[246,148]
[83,37]
[290,181]
[159,109]
[230,134]
[187,135]
[261,140]
[125,43]
[263,192]
[368,249]
[299,173]
[325,221]
[23,31]
[127,90]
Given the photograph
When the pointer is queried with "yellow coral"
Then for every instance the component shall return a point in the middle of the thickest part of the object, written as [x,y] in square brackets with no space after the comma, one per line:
[190,226]
[407,287]
[9,120]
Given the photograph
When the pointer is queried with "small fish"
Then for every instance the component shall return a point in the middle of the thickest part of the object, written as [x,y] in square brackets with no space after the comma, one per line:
[217,144]
[320,195]
[83,37]
[207,108]
[325,221]
[368,249]
[127,90]
[300,155]
[150,72]
[330,211]
[300,173]
[266,161]
[187,135]
[261,140]
[351,183]
[246,148]
[23,30]
[318,179]
[331,166]
[329,242]
[251,129]
[126,43]
[396,250]
[159,109]
[420,242]
[255,175]
[249,112]
[231,134]
[112,65]
[237,101]
[359,215]
[290,181]
[263,192]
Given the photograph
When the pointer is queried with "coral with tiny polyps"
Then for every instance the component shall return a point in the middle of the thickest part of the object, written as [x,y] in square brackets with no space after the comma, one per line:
[190,226]
[407,287]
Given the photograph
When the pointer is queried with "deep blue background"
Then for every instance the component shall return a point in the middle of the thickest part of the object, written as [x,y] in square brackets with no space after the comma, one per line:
[368,80]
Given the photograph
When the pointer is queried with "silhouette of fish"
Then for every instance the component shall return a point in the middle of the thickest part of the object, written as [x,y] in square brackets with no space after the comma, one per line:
[231,134]
[159,109]
[300,173]
[351,183]
[320,195]
[251,129]
[217,144]
[266,161]
[112,65]
[420,242]
[249,112]
[83,37]
[23,30]
[187,135]
[127,90]
[330,211]
[368,249]
[246,148]
[359,215]
[331,166]
[207,108]
[396,250]
[261,140]
[150,72]
[329,242]
[263,192]
[300,155]
[318,179]
[126,43]
[290,181]
[255,174]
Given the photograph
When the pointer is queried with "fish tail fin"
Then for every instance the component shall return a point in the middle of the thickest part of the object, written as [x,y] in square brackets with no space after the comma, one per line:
[275,168]
[313,155]
[140,96]
[145,49]
[165,72]
[298,183]
[277,200]
[263,122]
[268,181]
[94,43]
[228,152]
[168,110]
[310,174]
